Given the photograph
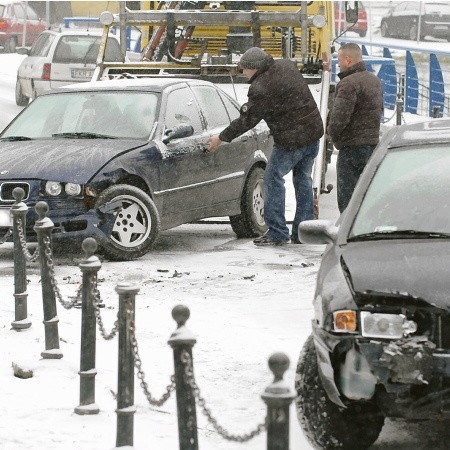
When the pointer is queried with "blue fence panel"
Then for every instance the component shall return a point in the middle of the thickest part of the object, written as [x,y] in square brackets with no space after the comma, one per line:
[411,85]
[437,87]
[388,77]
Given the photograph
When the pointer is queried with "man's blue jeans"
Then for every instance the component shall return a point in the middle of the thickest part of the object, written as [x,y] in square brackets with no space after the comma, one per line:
[281,162]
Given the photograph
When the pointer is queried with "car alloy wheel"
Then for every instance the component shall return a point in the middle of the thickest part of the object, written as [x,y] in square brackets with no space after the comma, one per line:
[325,424]
[131,225]
[250,222]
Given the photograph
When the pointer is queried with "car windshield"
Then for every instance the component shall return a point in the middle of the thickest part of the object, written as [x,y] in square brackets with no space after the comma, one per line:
[112,114]
[437,8]
[409,193]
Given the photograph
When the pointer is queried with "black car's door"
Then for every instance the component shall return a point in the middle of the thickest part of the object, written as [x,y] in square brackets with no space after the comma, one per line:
[230,159]
[186,170]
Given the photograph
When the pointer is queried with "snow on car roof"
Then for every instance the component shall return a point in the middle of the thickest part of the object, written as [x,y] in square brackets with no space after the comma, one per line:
[157,83]
[428,132]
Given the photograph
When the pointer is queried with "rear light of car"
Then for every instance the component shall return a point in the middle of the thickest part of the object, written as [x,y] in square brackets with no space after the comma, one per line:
[46,69]
[344,321]
[3,24]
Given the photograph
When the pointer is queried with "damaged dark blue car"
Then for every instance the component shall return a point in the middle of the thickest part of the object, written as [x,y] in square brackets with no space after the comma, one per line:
[122,160]
[380,343]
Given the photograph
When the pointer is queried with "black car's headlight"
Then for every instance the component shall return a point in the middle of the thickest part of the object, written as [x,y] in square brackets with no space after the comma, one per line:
[373,325]
[55,188]
[388,326]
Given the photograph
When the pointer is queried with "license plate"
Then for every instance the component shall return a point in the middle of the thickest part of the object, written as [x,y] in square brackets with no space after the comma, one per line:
[5,218]
[82,73]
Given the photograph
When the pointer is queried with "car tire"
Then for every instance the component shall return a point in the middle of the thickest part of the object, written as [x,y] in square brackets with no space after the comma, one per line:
[325,424]
[250,223]
[10,45]
[362,33]
[137,211]
[21,100]
[384,29]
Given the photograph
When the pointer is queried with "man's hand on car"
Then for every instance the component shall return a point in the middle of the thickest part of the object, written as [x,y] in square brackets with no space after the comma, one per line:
[214,142]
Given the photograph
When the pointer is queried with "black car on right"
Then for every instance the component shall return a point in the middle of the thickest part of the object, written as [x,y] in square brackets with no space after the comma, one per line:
[408,19]
[380,342]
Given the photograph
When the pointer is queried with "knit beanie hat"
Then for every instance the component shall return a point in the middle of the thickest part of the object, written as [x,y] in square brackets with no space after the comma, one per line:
[254,58]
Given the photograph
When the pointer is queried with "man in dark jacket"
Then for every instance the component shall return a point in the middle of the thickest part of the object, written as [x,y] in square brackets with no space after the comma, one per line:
[279,95]
[354,124]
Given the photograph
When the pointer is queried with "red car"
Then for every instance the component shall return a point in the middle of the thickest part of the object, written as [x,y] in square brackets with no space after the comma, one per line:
[19,25]
[341,25]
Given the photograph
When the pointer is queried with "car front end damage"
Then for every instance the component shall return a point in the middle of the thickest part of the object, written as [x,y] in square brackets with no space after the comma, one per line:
[394,350]
[71,209]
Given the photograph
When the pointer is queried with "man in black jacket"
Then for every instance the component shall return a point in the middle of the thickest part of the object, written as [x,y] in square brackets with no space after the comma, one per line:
[279,95]
[354,124]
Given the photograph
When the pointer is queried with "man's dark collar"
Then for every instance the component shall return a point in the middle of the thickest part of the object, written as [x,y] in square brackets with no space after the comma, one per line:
[358,67]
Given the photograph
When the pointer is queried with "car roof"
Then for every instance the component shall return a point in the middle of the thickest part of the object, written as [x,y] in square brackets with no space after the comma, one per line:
[157,84]
[76,31]
[429,132]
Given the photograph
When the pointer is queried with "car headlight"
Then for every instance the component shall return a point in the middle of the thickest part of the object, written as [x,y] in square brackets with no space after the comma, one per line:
[389,326]
[53,188]
[72,189]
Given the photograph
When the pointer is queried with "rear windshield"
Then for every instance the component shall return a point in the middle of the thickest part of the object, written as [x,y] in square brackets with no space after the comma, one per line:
[437,8]
[84,50]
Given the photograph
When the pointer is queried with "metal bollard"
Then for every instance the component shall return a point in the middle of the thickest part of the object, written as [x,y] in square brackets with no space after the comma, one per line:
[125,391]
[43,228]
[182,339]
[278,397]
[89,266]
[399,111]
[19,211]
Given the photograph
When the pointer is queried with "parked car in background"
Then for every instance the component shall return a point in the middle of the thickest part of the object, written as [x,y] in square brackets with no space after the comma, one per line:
[380,343]
[18,21]
[60,58]
[121,160]
[403,20]
[340,23]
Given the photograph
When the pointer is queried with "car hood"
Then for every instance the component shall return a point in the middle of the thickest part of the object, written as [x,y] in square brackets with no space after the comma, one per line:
[418,268]
[66,160]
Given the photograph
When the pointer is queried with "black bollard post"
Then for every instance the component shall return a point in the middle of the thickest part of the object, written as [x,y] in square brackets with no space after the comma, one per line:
[43,228]
[182,340]
[89,266]
[125,390]
[19,212]
[278,397]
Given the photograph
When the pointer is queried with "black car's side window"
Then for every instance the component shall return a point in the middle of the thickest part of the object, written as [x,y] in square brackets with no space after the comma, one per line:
[233,110]
[212,106]
[182,108]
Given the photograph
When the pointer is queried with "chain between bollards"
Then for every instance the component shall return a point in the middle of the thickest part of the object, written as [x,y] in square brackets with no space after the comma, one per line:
[43,228]
[19,211]
[89,266]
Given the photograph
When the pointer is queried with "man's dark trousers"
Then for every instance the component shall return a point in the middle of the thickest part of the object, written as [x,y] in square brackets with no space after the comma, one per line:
[350,164]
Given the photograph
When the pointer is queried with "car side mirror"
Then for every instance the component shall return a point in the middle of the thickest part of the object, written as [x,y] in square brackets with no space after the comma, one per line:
[180,131]
[317,232]
[351,12]
[23,51]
